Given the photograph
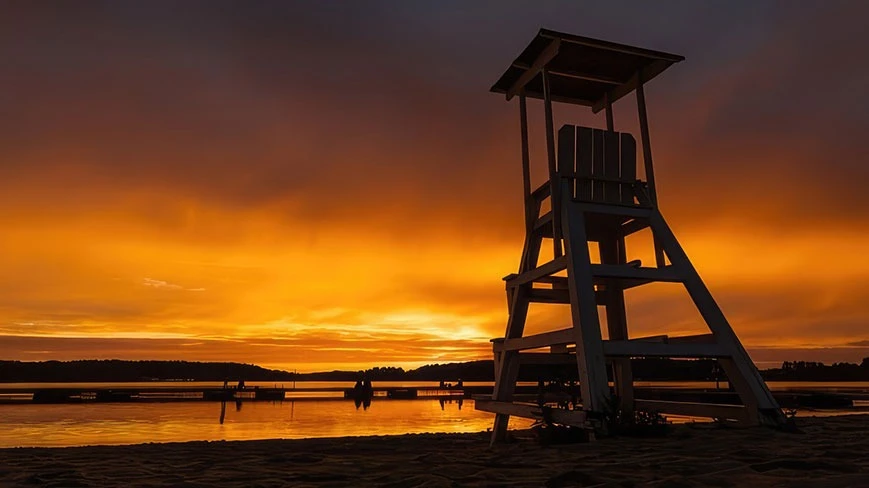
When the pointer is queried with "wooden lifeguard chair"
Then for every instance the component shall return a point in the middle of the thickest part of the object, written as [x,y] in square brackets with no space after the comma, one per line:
[595,196]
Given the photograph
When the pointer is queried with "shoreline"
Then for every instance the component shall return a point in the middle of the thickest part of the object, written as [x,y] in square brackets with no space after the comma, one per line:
[831,451]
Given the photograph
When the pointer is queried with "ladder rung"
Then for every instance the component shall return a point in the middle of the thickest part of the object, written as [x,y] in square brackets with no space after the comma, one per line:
[623,271]
[547,269]
[664,349]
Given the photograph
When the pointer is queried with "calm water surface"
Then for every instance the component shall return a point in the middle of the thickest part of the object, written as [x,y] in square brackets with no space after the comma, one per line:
[132,423]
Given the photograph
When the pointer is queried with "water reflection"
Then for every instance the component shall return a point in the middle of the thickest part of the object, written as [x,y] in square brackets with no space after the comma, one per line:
[443,401]
[127,423]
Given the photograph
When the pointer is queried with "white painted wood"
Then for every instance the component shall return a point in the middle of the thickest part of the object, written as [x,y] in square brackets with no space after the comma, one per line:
[531,411]
[668,274]
[561,336]
[549,268]
[663,349]
[584,158]
[628,170]
[586,324]
[604,209]
[740,369]
[709,410]
[554,182]
[539,64]
[611,167]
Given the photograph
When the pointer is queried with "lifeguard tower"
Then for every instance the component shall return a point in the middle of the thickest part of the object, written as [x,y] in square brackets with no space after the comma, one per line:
[595,196]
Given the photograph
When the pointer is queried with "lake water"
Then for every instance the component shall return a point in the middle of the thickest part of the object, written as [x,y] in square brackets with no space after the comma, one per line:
[132,423]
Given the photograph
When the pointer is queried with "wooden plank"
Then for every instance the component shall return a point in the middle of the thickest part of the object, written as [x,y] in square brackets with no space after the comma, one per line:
[547,358]
[561,336]
[625,283]
[633,226]
[667,274]
[586,323]
[541,192]
[740,369]
[709,410]
[549,268]
[617,323]
[610,46]
[567,156]
[536,67]
[597,193]
[623,210]
[692,339]
[544,220]
[663,349]
[584,151]
[647,73]
[576,75]
[531,411]
[611,167]
[558,296]
[628,171]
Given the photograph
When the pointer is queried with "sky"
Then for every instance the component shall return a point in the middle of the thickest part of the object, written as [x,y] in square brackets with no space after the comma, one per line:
[321,185]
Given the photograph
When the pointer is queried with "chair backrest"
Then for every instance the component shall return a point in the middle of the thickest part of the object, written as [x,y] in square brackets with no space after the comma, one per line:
[603,164]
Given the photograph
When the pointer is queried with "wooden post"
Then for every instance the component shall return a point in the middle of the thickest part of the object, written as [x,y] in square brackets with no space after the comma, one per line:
[526,162]
[555,188]
[647,161]
[612,251]
[739,368]
[609,112]
[583,307]
[506,362]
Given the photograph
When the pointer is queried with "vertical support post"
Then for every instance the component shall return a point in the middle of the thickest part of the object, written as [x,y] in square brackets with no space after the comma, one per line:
[526,163]
[583,309]
[609,112]
[612,251]
[741,371]
[647,160]
[507,362]
[555,188]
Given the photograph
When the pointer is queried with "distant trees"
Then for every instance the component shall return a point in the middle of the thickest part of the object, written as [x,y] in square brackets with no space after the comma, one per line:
[816,371]
[648,369]
[130,371]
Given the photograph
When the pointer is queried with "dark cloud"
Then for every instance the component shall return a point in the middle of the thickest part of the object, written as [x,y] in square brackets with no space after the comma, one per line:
[195,122]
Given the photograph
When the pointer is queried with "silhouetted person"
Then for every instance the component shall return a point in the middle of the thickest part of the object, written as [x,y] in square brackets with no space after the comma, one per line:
[241,384]
[459,384]
[461,400]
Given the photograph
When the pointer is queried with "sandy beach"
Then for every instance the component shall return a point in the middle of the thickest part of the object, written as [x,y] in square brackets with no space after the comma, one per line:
[830,452]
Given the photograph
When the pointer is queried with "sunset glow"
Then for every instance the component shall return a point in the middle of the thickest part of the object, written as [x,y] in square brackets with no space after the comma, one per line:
[305,191]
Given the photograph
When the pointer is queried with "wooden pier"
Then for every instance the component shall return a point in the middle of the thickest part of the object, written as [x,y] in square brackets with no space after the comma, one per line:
[37,395]
[527,393]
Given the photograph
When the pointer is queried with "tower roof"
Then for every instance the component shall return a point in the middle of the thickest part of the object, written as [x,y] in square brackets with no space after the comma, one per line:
[581,70]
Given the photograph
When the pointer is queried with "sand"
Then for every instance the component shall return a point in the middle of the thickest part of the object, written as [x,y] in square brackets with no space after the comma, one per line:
[831,452]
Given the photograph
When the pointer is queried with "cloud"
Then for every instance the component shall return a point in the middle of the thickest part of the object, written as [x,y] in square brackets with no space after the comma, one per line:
[293,160]
[165,285]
